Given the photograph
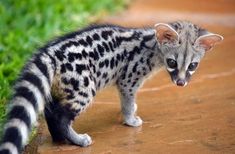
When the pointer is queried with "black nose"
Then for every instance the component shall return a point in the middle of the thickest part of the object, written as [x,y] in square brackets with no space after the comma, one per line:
[180,82]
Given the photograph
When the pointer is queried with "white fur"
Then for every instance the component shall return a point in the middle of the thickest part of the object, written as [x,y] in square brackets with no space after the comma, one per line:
[9,146]
[170,69]
[182,74]
[191,72]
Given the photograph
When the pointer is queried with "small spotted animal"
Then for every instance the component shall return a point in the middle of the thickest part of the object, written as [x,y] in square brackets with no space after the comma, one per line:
[62,78]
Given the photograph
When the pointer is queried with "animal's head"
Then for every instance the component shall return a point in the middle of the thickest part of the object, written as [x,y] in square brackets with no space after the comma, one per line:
[183,45]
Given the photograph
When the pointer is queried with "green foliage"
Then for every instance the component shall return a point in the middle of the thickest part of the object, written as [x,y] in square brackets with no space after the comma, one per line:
[27,24]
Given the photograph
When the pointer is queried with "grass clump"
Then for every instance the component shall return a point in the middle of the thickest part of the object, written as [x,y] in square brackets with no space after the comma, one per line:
[26,25]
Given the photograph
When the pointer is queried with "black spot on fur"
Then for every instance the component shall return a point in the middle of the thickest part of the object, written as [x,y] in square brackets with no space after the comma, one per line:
[96,55]
[133,84]
[106,62]
[112,63]
[62,69]
[98,73]
[135,67]
[83,43]
[149,65]
[114,43]
[83,94]
[68,44]
[60,55]
[84,53]
[100,50]
[69,66]
[92,55]
[80,68]
[96,37]
[82,103]
[89,40]
[151,55]
[111,46]
[86,81]
[118,57]
[99,84]
[93,92]
[149,37]
[142,60]
[105,75]
[106,33]
[74,56]
[136,50]
[65,80]
[106,81]
[105,46]
[74,83]
[101,64]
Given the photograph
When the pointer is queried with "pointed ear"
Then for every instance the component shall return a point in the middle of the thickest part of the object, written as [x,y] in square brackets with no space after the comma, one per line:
[165,33]
[208,41]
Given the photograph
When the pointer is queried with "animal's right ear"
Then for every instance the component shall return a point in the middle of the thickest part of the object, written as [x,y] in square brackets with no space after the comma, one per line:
[165,33]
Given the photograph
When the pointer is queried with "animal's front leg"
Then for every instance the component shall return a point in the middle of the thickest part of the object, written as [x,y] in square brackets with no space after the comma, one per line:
[129,106]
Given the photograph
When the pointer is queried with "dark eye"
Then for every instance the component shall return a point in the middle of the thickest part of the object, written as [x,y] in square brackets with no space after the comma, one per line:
[171,63]
[192,66]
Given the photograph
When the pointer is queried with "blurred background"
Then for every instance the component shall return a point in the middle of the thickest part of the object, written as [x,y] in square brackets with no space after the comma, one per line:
[199,118]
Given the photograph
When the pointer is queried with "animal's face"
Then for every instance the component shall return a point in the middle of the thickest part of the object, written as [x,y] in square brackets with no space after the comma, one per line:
[183,45]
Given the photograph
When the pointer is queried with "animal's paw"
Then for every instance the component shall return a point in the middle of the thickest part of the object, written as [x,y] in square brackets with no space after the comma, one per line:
[85,140]
[134,121]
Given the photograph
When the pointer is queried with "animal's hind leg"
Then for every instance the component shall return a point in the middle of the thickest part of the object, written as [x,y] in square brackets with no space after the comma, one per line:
[74,93]
[59,120]
[53,114]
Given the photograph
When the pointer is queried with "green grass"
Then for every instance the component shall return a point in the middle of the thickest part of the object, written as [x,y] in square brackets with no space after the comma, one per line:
[26,25]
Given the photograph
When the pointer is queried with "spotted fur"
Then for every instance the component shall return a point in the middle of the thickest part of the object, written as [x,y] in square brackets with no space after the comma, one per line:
[62,78]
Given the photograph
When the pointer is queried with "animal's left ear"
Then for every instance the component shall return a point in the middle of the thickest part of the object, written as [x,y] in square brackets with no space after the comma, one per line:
[208,41]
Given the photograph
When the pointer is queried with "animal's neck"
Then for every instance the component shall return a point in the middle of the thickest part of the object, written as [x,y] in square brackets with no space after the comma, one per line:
[142,46]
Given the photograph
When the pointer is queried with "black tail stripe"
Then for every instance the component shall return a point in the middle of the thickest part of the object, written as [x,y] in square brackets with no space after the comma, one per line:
[20,112]
[5,151]
[42,67]
[32,78]
[28,95]
[12,134]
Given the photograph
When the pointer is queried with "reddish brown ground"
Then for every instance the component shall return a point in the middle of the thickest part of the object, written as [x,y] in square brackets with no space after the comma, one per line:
[199,118]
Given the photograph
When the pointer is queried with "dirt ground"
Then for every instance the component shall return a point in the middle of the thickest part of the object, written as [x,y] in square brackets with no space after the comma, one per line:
[199,118]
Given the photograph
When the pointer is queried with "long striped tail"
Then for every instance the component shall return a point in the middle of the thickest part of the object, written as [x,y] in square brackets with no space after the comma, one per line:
[32,90]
